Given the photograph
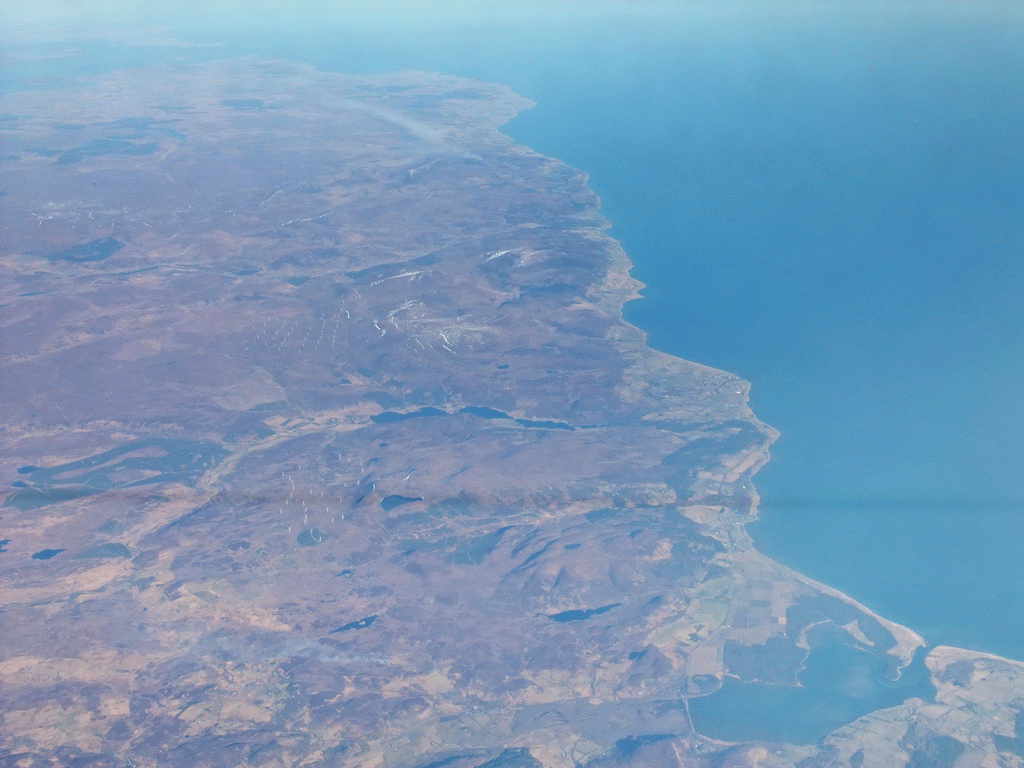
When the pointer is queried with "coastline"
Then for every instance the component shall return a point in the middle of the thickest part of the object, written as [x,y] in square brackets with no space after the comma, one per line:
[621,288]
[1005,676]
[599,478]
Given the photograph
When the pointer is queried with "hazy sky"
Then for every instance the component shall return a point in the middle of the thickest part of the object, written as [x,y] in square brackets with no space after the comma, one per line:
[21,17]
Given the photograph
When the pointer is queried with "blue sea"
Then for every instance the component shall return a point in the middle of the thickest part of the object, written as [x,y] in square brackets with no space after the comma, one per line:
[827,201]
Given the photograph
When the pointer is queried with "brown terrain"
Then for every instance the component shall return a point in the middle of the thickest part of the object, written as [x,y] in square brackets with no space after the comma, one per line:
[329,447]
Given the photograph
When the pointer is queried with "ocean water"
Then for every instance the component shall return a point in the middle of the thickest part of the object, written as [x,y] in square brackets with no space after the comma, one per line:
[835,211]
[828,204]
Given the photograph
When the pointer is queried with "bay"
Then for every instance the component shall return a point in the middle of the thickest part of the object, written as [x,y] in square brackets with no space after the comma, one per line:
[838,684]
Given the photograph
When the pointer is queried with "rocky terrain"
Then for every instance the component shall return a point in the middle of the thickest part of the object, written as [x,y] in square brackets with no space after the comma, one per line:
[328,446]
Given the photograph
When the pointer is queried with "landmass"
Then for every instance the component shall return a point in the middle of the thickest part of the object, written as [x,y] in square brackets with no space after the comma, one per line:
[328,446]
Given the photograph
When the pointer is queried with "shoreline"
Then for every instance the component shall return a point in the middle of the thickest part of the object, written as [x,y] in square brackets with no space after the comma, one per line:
[627,289]
[586,504]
